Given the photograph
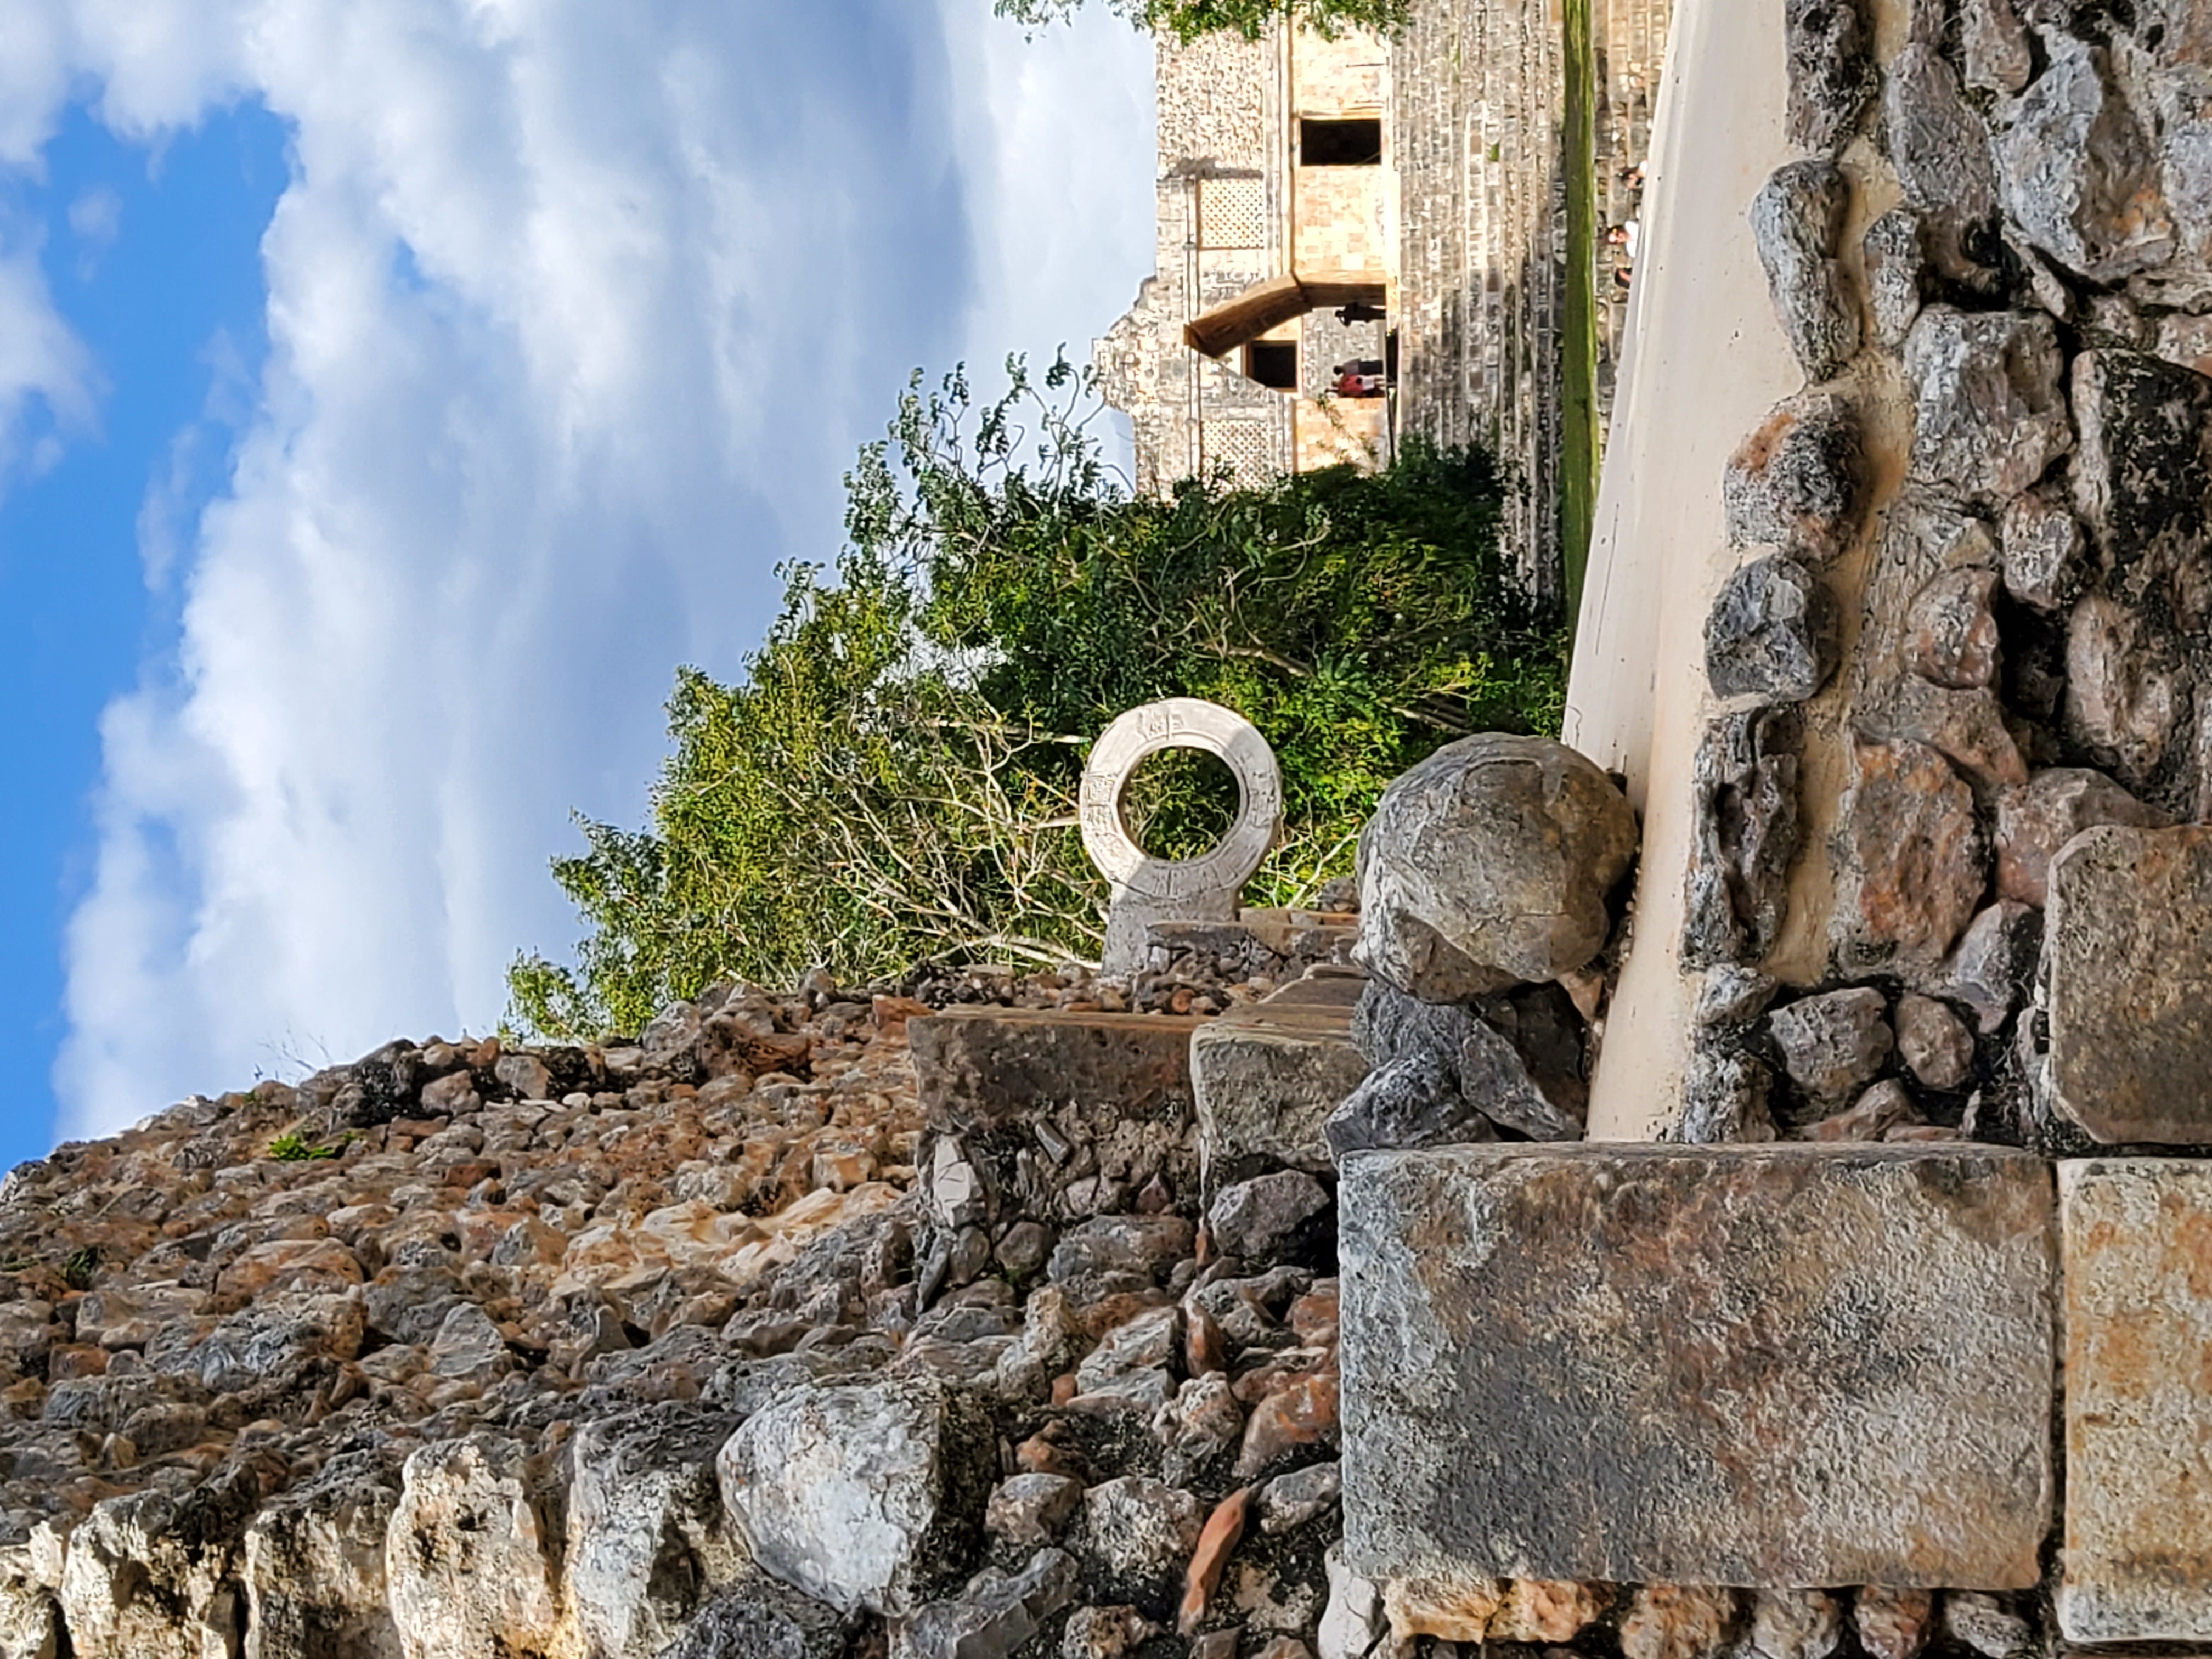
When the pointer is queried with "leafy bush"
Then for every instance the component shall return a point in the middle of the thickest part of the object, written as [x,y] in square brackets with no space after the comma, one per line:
[893,780]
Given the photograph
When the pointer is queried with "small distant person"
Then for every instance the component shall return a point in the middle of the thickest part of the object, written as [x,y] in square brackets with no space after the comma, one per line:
[1621,277]
[1360,377]
[1358,312]
[1626,236]
[1631,177]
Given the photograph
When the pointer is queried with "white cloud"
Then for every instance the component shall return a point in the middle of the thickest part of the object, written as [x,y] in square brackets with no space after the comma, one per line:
[576,313]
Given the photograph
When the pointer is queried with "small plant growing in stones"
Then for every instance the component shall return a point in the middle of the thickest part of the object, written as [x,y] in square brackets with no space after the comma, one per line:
[292,1147]
[78,1266]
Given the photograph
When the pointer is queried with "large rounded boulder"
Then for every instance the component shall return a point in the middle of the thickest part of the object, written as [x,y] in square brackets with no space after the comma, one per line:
[1488,864]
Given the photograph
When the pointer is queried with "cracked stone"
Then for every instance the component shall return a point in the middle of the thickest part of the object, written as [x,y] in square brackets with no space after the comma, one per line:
[1912,861]
[1797,222]
[2076,173]
[1796,482]
[1940,150]
[1829,58]
[2054,805]
[1833,1043]
[1772,633]
[1744,833]
[1934,1043]
[1894,251]
[1989,415]
[2043,547]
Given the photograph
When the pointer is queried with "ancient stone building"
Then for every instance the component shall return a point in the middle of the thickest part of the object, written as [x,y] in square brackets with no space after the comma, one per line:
[1452,199]
[1278,206]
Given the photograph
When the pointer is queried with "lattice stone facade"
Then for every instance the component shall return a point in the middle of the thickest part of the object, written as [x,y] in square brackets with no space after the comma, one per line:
[1237,208]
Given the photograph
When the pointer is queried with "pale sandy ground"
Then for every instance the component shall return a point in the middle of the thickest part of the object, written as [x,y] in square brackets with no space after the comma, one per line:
[1705,360]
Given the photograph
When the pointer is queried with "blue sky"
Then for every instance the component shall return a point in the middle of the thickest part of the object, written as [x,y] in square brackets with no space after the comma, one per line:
[390,395]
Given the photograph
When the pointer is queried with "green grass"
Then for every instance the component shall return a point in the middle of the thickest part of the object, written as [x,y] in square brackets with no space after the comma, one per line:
[1578,438]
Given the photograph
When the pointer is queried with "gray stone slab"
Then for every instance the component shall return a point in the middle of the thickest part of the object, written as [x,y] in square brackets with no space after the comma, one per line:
[1774,1366]
[1265,1078]
[2136,1249]
[2127,956]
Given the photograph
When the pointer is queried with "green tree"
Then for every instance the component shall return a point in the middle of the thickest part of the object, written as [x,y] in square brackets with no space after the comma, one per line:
[894,779]
[1186,19]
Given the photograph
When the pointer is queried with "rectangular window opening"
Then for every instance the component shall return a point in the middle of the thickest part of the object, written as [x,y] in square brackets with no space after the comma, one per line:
[1340,143]
[1273,364]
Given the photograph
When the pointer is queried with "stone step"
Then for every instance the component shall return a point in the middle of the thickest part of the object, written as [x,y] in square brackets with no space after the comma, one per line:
[1266,1077]
[1076,1112]
[1780,1365]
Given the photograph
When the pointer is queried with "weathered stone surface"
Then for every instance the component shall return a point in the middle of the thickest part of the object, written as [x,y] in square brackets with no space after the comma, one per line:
[1830,59]
[995,1616]
[1968,728]
[977,1068]
[1998,58]
[2076,173]
[1990,966]
[1795,1623]
[2036,820]
[1797,222]
[466,1556]
[1679,1621]
[2126,697]
[1941,154]
[1744,833]
[2137,1556]
[1505,847]
[1287,1215]
[1912,860]
[1798,482]
[1733,995]
[1894,252]
[1988,416]
[1519,1358]
[1979,1624]
[1498,1083]
[1772,633]
[1412,1101]
[1893,1624]
[860,1495]
[1833,1044]
[1952,637]
[1870,1117]
[2142,477]
[1934,1043]
[1265,1081]
[314,1567]
[2129,983]
[1725,1096]
[2043,547]
[643,1510]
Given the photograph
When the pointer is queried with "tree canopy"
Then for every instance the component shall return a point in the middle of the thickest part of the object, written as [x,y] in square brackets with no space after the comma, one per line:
[1186,19]
[894,779]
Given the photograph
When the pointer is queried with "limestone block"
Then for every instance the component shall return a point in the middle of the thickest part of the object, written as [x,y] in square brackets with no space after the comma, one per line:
[1265,1080]
[860,1496]
[2138,1322]
[979,1067]
[1744,1366]
[314,1567]
[2130,983]
[465,1554]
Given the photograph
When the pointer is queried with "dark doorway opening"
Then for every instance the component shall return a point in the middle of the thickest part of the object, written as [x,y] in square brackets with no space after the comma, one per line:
[1340,143]
[1273,363]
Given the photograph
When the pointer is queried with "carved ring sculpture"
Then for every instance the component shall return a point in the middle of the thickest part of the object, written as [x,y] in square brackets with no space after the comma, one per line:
[1205,888]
